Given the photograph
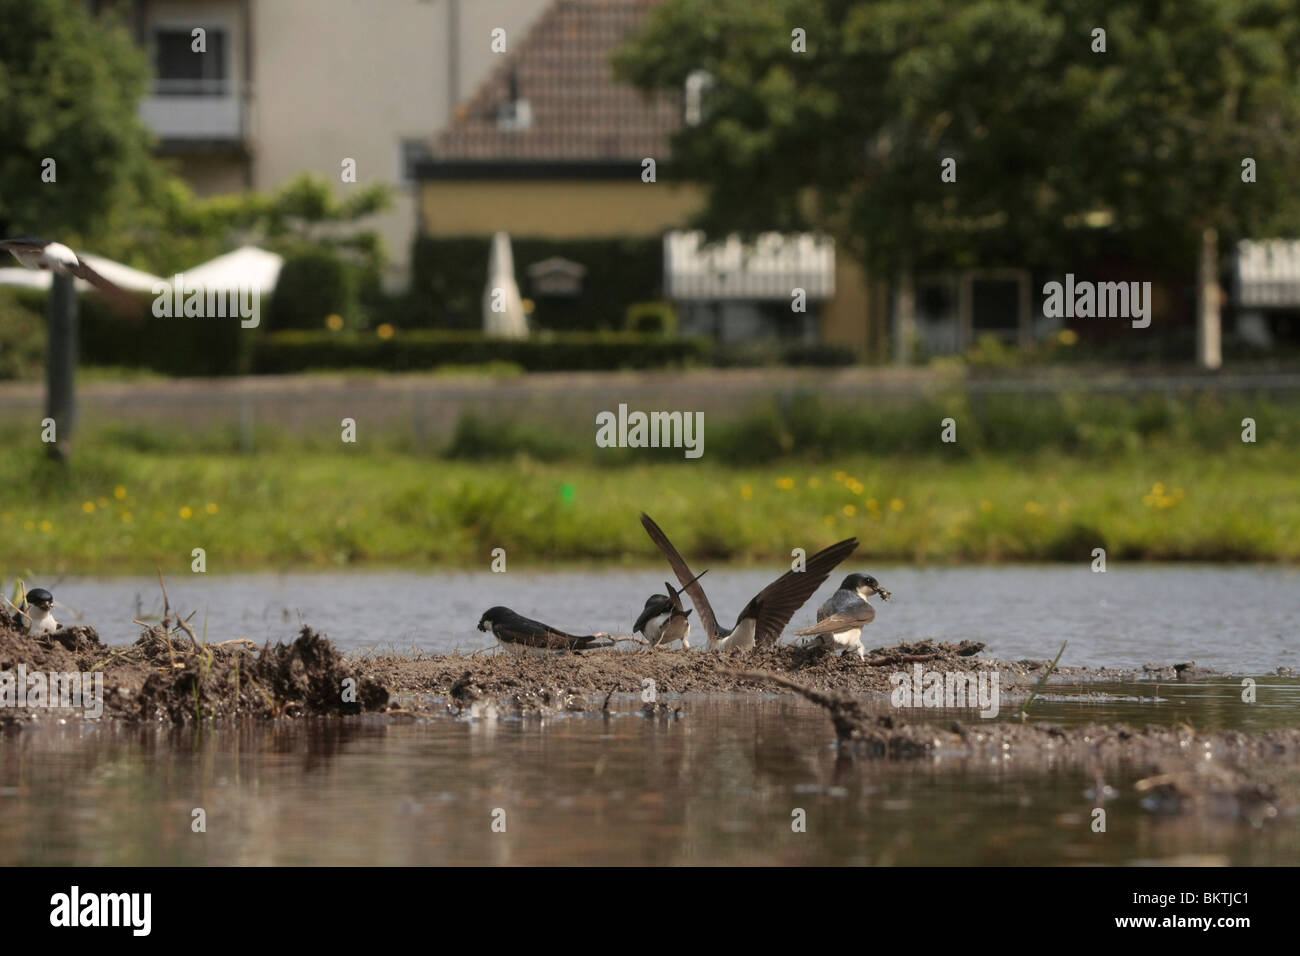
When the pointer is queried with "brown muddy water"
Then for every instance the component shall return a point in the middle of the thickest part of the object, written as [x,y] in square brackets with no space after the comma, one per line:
[725,782]
[721,784]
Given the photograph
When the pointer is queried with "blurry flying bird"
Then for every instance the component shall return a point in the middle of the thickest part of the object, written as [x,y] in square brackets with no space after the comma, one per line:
[41,254]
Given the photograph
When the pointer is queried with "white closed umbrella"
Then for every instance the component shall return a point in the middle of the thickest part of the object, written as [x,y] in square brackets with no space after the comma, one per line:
[503,307]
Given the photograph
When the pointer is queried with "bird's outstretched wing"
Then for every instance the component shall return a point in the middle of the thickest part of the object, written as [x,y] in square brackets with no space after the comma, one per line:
[773,606]
[123,302]
[689,582]
[24,244]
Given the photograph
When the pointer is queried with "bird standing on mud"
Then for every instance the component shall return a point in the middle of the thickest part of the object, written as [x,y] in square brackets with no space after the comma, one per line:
[36,612]
[764,618]
[522,635]
[845,613]
[663,620]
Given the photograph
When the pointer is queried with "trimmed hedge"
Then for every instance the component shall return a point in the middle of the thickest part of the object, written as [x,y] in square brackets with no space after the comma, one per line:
[174,346]
[169,346]
[284,352]
[448,277]
[22,336]
[312,285]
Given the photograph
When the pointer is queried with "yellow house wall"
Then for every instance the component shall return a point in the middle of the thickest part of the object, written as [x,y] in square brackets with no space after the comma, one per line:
[846,319]
[556,209]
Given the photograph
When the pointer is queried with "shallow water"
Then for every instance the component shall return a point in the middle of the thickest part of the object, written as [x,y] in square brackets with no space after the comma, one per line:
[1243,619]
[719,785]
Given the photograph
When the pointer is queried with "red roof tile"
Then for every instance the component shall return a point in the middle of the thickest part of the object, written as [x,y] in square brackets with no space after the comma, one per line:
[579,112]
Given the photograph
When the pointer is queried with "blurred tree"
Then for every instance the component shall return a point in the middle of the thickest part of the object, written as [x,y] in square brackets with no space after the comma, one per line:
[69,92]
[70,87]
[1052,137]
[306,213]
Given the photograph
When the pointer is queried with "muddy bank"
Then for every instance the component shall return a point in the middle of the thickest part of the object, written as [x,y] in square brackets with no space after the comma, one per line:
[169,674]
[594,674]
[1223,773]
[173,676]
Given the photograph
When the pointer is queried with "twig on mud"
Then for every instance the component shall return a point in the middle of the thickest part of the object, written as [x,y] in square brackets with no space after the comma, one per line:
[845,714]
[1024,711]
[112,657]
[167,605]
[817,697]
[171,655]
[604,708]
[632,639]
[184,625]
[900,659]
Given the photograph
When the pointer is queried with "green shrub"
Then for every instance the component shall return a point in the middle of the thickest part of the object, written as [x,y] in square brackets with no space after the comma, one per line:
[652,318]
[173,346]
[477,439]
[22,337]
[313,285]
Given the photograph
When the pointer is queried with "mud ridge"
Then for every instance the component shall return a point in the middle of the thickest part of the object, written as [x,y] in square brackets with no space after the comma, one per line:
[176,678]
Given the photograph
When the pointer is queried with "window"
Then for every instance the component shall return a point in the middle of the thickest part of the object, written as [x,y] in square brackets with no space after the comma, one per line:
[180,71]
[413,152]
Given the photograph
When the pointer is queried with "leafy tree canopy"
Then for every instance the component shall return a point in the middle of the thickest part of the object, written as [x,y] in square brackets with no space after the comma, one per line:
[1051,138]
[70,88]
[69,92]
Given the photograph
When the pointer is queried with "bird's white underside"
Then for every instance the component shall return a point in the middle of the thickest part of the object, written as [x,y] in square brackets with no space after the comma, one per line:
[654,631]
[844,640]
[40,621]
[741,639]
[654,627]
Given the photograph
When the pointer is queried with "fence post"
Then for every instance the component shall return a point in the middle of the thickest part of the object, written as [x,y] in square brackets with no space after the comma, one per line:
[61,365]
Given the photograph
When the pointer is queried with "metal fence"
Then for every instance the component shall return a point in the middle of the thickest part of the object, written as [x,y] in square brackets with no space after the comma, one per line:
[427,408]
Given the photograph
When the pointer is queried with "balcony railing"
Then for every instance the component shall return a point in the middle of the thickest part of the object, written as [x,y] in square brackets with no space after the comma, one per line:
[195,114]
[206,86]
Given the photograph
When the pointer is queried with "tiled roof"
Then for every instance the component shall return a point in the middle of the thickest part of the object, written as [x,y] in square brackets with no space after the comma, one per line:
[579,113]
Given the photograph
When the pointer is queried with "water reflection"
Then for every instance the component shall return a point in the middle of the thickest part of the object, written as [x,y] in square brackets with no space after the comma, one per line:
[722,785]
